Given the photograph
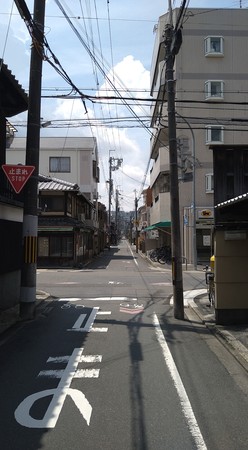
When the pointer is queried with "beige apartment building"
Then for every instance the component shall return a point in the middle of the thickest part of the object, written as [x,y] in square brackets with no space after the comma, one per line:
[211,100]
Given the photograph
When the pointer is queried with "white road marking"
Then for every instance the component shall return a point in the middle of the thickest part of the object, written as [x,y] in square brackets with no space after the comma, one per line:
[131,251]
[99,329]
[65,359]
[184,400]
[69,299]
[22,412]
[104,299]
[80,373]
[91,358]
[188,295]
[88,327]
[87,373]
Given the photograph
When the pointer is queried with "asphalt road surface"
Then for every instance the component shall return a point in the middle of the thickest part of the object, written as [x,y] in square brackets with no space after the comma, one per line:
[105,366]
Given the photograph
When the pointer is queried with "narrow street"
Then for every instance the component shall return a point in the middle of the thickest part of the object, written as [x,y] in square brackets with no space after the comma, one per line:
[105,366]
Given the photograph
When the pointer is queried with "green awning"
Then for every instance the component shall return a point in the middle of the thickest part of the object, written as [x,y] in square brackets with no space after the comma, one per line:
[158,225]
[44,228]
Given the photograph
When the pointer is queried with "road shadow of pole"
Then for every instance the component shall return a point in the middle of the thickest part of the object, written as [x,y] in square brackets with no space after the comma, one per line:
[136,392]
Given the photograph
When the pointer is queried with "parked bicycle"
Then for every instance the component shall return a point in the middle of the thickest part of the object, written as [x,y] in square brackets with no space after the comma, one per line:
[161,255]
[209,277]
[164,256]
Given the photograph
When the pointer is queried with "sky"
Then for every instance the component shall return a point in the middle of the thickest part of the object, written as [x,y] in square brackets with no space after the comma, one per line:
[106,50]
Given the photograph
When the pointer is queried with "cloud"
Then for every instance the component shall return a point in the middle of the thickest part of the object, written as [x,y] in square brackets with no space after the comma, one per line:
[111,121]
[130,144]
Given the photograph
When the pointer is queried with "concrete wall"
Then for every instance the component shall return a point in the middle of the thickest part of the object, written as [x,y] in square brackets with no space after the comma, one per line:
[231,277]
[10,289]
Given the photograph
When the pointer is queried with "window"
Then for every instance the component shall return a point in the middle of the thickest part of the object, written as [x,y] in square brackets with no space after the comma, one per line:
[55,203]
[214,90]
[214,46]
[214,134]
[55,246]
[43,246]
[209,183]
[59,164]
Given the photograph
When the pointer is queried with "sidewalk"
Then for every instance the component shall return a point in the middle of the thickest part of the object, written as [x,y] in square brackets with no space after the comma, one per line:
[234,337]
[10,317]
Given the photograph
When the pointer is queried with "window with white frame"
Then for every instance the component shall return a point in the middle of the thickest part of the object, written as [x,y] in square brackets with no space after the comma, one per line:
[214,46]
[59,164]
[209,183]
[214,134]
[214,90]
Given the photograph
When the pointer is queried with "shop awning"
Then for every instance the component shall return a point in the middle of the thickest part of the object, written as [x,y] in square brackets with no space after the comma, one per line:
[158,225]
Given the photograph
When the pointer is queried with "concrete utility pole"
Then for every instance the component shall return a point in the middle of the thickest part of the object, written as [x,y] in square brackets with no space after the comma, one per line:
[116,212]
[177,277]
[114,164]
[136,221]
[30,219]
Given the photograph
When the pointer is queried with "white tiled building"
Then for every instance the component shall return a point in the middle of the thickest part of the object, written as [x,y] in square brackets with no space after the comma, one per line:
[211,87]
[73,159]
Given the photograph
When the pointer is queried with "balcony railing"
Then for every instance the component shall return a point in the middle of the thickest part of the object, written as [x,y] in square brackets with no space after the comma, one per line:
[7,193]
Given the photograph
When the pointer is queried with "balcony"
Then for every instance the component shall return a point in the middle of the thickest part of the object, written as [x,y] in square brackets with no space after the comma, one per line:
[159,139]
[7,194]
[92,223]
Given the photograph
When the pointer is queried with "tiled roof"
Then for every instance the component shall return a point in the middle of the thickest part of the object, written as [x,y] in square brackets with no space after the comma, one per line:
[14,99]
[233,201]
[54,184]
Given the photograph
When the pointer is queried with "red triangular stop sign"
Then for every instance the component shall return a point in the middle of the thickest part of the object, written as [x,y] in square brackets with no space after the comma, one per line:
[17,175]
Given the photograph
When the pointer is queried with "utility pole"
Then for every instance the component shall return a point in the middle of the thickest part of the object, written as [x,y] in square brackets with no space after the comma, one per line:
[116,212]
[136,221]
[110,189]
[177,277]
[30,218]
[114,164]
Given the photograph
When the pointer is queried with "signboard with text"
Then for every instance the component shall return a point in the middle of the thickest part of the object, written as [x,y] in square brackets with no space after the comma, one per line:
[17,175]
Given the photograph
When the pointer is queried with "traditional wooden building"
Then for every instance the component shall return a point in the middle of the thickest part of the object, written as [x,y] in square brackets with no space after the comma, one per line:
[13,100]
[231,233]
[68,225]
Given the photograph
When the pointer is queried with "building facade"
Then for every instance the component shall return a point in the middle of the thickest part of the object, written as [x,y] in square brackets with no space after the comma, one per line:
[72,159]
[13,100]
[67,236]
[210,73]
[70,231]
